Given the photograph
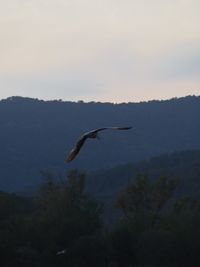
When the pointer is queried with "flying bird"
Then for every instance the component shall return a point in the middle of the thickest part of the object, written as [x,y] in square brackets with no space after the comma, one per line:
[92,134]
[61,252]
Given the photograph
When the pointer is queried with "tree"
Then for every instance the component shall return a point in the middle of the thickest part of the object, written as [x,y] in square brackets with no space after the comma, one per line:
[65,213]
[142,203]
[183,222]
[143,200]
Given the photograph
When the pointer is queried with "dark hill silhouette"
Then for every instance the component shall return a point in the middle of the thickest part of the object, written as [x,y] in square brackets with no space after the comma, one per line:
[37,135]
[184,166]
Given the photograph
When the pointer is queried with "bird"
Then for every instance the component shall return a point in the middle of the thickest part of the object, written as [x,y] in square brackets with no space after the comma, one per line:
[91,134]
[61,252]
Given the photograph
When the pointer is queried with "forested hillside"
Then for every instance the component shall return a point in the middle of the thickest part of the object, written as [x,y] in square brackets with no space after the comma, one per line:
[36,135]
[183,166]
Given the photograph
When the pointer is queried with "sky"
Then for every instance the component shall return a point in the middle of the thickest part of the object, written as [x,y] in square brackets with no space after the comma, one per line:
[100,50]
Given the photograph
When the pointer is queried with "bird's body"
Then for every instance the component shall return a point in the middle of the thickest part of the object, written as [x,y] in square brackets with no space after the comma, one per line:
[92,134]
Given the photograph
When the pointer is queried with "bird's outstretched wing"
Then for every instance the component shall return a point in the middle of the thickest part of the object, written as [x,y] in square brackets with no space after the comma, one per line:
[83,138]
[75,150]
[113,128]
[106,128]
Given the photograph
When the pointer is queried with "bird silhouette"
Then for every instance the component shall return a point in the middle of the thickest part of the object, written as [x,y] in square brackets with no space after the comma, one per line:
[92,134]
[61,252]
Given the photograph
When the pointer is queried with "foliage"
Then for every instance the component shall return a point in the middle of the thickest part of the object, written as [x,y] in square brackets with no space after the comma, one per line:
[62,213]
[64,217]
[159,234]
[142,201]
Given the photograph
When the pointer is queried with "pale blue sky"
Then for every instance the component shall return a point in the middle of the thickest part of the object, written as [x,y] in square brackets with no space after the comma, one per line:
[100,50]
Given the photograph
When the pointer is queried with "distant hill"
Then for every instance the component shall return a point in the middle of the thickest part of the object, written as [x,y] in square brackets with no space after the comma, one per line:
[36,135]
[184,166]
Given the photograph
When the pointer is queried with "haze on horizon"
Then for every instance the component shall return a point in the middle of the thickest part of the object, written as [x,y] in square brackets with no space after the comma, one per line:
[117,51]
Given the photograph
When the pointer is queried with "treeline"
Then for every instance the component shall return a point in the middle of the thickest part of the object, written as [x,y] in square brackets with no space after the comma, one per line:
[62,225]
[106,184]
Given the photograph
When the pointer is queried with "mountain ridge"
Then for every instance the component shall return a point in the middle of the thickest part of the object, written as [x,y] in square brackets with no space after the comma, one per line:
[37,135]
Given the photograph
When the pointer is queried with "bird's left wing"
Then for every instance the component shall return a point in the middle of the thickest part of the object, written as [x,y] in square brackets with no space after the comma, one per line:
[75,150]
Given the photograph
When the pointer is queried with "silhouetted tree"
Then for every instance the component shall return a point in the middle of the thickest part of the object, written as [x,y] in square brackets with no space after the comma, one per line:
[143,200]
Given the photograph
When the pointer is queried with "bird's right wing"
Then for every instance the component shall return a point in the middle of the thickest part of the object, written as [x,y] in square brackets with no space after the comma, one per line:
[76,149]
